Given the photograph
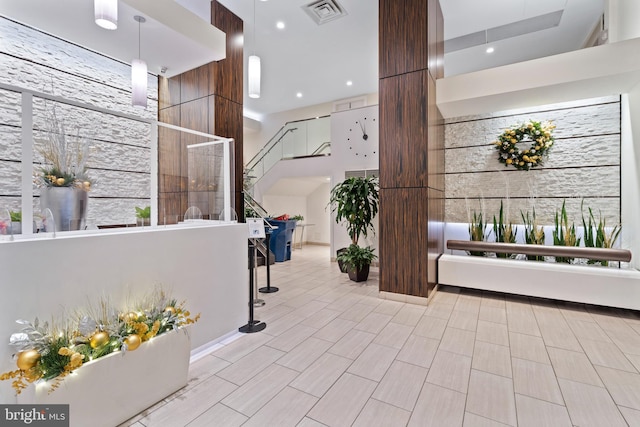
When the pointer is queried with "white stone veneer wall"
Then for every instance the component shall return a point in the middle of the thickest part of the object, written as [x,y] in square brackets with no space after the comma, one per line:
[120,152]
[584,163]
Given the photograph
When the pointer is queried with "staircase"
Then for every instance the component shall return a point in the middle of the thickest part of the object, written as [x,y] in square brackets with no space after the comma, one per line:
[295,140]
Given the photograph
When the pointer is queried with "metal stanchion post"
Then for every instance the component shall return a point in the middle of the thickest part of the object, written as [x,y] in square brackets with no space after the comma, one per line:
[268,289]
[252,325]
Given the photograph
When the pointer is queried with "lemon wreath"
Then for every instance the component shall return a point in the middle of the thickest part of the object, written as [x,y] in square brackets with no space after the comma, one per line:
[538,133]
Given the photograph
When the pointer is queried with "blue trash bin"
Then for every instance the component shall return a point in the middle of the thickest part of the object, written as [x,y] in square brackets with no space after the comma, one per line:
[281,239]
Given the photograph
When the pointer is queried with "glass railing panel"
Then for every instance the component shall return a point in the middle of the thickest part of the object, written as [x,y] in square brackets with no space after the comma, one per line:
[318,133]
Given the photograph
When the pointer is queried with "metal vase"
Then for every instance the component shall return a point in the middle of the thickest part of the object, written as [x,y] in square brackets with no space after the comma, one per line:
[68,206]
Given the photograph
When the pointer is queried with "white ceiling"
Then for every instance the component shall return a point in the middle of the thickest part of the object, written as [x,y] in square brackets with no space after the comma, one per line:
[316,61]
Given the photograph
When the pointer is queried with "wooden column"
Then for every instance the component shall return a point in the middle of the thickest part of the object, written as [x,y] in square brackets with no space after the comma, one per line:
[411,146]
[207,99]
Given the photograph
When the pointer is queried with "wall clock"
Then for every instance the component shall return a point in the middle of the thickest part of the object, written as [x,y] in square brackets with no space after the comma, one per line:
[359,138]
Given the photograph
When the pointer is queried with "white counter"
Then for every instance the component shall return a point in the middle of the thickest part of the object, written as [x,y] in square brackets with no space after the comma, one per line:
[203,264]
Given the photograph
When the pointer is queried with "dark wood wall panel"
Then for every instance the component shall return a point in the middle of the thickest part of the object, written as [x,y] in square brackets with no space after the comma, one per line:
[411,147]
[404,241]
[229,124]
[403,130]
[439,42]
[206,99]
[168,91]
[194,83]
[224,79]
[403,36]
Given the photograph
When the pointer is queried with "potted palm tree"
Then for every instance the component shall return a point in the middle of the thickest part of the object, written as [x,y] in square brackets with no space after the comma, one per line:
[355,203]
[357,261]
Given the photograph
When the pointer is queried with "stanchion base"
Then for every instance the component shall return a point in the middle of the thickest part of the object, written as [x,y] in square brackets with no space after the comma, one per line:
[255,326]
[268,290]
[258,302]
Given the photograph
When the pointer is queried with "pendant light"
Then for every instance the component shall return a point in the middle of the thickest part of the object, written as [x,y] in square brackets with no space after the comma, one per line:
[139,74]
[254,64]
[106,13]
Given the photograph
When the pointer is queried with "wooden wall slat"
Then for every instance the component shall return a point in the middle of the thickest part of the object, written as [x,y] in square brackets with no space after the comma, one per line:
[403,130]
[194,83]
[404,241]
[168,91]
[403,36]
[411,147]
[224,78]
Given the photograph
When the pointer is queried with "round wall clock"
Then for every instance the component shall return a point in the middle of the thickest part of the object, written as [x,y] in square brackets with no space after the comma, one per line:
[358,137]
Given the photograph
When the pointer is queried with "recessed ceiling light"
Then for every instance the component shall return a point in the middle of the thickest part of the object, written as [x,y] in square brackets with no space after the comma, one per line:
[349,83]
[299,94]
[490,50]
[280,25]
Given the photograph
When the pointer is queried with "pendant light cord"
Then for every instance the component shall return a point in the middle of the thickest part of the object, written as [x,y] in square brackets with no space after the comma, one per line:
[139,23]
[254,27]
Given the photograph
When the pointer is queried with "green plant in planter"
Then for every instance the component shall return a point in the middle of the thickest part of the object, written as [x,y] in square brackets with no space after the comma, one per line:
[16,216]
[357,261]
[143,215]
[477,232]
[355,202]
[533,233]
[600,238]
[297,218]
[563,234]
[505,233]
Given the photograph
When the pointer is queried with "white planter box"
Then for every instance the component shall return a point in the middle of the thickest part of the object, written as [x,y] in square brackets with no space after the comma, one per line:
[110,390]
[606,286]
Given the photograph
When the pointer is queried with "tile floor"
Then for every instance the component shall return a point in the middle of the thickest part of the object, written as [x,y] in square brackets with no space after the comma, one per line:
[334,354]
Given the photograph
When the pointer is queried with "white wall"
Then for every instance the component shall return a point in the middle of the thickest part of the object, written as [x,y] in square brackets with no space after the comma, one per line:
[271,123]
[630,185]
[206,266]
[318,213]
[277,205]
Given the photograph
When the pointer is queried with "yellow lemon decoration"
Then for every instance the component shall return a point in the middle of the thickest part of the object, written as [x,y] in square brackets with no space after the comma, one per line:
[133,341]
[539,134]
[171,310]
[60,181]
[27,359]
[99,339]
[129,317]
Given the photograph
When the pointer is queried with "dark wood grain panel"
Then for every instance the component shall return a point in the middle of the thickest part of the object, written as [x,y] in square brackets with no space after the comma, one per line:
[170,179]
[168,91]
[404,241]
[226,76]
[403,36]
[225,119]
[194,84]
[404,130]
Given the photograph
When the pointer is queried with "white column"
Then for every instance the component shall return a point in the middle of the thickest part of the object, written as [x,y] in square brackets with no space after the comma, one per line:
[227,179]
[630,174]
[27,163]
[153,190]
[622,19]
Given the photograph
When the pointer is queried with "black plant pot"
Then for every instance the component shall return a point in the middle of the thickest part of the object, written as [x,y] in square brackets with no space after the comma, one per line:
[359,275]
[343,268]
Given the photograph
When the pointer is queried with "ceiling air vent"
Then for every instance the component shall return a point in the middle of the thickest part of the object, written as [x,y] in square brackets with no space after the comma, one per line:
[323,11]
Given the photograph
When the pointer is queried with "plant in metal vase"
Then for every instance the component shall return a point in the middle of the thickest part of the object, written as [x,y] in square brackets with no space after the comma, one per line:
[355,203]
[63,177]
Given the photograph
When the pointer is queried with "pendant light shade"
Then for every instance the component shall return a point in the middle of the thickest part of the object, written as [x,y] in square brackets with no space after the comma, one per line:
[254,76]
[106,13]
[139,83]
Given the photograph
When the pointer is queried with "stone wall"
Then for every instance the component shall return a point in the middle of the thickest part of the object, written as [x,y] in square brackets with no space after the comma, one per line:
[119,159]
[583,164]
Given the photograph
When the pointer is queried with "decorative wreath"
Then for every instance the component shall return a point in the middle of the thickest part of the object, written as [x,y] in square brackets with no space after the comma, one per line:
[538,133]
